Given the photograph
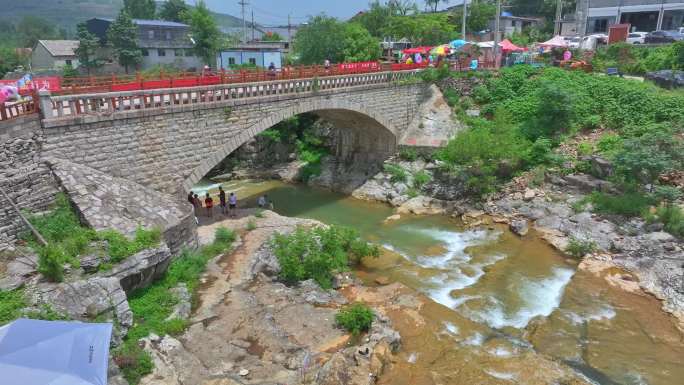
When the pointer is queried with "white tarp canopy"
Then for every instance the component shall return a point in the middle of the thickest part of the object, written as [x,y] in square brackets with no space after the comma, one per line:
[556,41]
[485,44]
[34,352]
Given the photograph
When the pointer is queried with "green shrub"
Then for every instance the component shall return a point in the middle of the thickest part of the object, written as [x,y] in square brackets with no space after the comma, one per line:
[11,304]
[481,94]
[644,158]
[259,213]
[672,218]
[667,194]
[628,204]
[318,253]
[51,260]
[356,318]
[609,145]
[134,362]
[223,235]
[554,113]
[420,179]
[119,247]
[579,248]
[396,172]
[251,225]
[584,149]
[539,152]
[451,96]
[408,154]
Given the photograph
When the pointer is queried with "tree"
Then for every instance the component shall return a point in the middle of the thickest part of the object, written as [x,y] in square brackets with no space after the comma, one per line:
[173,10]
[359,45]
[122,35]
[433,4]
[402,7]
[32,28]
[10,60]
[479,15]
[140,9]
[87,48]
[423,29]
[272,36]
[205,31]
[320,39]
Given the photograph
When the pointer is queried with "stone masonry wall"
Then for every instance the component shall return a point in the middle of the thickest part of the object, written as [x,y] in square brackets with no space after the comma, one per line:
[170,148]
[23,176]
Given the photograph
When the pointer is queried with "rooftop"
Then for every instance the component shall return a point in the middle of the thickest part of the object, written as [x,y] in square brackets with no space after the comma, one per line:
[60,47]
[155,23]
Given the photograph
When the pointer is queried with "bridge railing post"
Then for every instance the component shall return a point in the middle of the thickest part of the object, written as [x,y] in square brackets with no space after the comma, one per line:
[45,104]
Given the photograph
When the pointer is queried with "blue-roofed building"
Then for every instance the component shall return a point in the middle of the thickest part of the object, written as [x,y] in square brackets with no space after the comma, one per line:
[162,42]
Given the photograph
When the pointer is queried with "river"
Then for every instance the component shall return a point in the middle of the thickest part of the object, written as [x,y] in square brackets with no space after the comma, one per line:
[495,299]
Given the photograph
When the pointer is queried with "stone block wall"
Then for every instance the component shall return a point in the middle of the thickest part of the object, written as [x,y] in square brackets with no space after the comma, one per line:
[23,176]
[171,148]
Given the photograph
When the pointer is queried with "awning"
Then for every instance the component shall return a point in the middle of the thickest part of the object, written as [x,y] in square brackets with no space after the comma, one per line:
[421,50]
[34,352]
[507,46]
[556,41]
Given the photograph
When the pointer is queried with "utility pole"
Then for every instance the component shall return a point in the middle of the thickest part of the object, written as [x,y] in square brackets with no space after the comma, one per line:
[496,33]
[289,29]
[559,14]
[465,12]
[243,3]
[252,25]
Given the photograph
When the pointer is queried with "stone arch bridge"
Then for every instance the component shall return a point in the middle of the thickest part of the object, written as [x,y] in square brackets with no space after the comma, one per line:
[168,139]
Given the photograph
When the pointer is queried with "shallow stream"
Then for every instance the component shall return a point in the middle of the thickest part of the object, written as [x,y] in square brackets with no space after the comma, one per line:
[495,300]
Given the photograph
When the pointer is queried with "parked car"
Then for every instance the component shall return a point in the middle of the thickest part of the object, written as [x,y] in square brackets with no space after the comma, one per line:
[601,38]
[637,37]
[574,42]
[664,37]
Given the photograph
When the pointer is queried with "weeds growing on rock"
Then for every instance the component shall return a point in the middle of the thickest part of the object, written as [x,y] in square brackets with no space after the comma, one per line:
[319,252]
[356,318]
[578,248]
[396,172]
[251,225]
[151,306]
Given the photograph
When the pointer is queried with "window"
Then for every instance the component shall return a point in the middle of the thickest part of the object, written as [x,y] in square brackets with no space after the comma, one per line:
[68,62]
[231,61]
[150,34]
[145,52]
[161,52]
[252,61]
[178,52]
[168,35]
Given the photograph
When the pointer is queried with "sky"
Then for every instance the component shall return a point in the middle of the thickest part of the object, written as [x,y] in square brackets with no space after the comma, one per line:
[274,12]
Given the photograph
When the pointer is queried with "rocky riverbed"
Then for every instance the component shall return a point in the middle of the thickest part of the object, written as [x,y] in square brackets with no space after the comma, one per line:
[250,328]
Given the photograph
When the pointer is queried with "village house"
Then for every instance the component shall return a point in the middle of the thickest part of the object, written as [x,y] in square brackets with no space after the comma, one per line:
[54,54]
[162,42]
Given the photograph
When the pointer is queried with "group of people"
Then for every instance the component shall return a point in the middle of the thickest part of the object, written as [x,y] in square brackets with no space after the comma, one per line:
[228,204]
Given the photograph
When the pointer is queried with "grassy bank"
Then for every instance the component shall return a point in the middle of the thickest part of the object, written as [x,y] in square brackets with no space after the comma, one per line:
[152,306]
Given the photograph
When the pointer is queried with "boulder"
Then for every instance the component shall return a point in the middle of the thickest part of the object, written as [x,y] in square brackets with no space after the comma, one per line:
[588,183]
[423,205]
[265,262]
[519,227]
[529,194]
[601,168]
[141,269]
[315,295]
[183,308]
[86,300]
[18,271]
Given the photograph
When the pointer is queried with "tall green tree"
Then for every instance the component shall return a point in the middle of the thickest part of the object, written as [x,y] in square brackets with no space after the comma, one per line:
[173,10]
[140,9]
[402,7]
[320,39]
[205,32]
[122,35]
[433,4]
[10,60]
[423,29]
[87,48]
[479,15]
[359,45]
[31,29]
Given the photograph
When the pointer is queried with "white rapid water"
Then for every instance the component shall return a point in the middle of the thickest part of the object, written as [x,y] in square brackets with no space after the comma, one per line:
[538,297]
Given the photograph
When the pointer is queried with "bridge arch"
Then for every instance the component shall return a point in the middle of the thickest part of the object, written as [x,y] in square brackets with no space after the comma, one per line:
[342,113]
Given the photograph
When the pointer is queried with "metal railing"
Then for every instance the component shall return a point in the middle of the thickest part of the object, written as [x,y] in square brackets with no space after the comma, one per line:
[107,103]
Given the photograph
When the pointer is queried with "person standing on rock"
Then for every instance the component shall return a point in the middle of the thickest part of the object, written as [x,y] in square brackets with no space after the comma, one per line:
[222,200]
[261,202]
[191,198]
[209,203]
[197,203]
[232,204]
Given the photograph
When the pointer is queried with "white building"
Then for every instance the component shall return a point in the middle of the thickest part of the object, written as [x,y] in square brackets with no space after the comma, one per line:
[594,16]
